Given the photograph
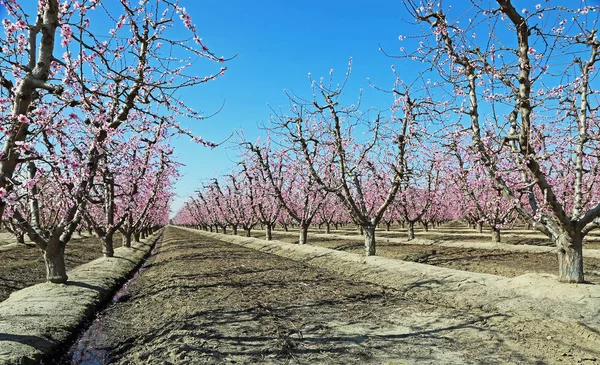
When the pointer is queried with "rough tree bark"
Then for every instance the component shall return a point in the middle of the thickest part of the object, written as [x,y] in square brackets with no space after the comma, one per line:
[303,239]
[269,232]
[54,258]
[570,258]
[369,240]
[126,238]
[411,230]
[495,234]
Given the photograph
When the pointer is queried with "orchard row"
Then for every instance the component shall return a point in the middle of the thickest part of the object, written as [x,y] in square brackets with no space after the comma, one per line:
[88,104]
[499,123]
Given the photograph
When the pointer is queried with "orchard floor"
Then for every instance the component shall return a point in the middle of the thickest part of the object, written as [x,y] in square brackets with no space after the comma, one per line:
[201,301]
[454,231]
[23,265]
[497,262]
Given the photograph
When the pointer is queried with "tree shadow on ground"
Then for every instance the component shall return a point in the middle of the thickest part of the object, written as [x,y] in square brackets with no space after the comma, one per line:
[262,332]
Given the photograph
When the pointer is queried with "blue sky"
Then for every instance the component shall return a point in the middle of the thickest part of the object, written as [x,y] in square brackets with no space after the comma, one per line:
[277,44]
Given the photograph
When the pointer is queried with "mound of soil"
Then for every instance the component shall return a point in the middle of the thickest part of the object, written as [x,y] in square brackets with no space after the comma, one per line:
[23,265]
[496,262]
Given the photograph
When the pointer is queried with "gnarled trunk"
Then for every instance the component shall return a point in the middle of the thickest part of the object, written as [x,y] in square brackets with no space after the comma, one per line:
[136,236]
[369,233]
[126,239]
[54,257]
[269,233]
[303,233]
[107,245]
[495,235]
[411,230]
[570,258]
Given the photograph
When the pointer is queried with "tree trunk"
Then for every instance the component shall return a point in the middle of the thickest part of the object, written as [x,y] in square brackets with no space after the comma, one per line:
[248,232]
[328,228]
[336,226]
[269,234]
[285,227]
[388,226]
[369,240]
[136,236]
[495,235]
[234,228]
[224,228]
[127,239]
[107,245]
[303,233]
[54,257]
[411,230]
[426,226]
[570,258]
[480,227]
[20,237]
[361,231]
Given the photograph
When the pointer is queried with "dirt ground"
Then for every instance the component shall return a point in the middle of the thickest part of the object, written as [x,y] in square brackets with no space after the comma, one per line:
[497,262]
[459,232]
[23,265]
[206,302]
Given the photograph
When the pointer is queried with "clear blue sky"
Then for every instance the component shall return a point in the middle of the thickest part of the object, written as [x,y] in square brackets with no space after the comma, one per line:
[277,44]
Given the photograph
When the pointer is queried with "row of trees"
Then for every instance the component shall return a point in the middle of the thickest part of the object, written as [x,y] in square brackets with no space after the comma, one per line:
[500,121]
[88,104]
[274,188]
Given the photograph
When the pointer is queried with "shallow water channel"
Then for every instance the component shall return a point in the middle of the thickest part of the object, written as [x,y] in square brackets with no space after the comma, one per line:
[82,352]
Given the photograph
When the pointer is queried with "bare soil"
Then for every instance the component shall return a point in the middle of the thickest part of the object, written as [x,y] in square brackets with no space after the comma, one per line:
[497,262]
[23,265]
[202,301]
[458,232]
